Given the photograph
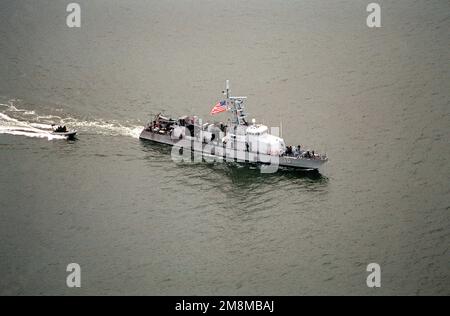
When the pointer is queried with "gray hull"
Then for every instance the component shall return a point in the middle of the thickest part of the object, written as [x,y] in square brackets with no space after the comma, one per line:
[228,154]
[69,135]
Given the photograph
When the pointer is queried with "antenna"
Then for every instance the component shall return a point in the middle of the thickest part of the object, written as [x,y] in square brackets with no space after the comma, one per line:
[281,128]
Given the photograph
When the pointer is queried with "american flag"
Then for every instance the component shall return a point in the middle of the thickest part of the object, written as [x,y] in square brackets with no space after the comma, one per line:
[219,107]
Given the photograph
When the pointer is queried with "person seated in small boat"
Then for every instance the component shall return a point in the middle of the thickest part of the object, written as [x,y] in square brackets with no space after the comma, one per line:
[61,129]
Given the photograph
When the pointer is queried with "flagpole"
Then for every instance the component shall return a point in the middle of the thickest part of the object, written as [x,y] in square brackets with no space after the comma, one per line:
[281,123]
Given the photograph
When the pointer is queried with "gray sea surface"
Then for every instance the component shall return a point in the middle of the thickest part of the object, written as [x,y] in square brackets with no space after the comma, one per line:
[376,100]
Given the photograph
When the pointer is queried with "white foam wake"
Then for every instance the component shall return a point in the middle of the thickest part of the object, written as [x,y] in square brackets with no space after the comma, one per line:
[12,126]
[30,123]
[106,128]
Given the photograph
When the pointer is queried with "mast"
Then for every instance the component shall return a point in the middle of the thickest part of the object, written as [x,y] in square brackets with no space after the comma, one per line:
[227,87]
[236,105]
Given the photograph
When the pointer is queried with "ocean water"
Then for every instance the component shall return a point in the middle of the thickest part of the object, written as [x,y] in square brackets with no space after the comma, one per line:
[377,101]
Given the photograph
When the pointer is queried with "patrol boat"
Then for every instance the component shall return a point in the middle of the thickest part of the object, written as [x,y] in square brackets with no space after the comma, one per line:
[237,141]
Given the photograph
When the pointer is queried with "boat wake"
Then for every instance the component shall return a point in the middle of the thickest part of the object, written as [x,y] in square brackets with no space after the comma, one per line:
[12,126]
[29,123]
